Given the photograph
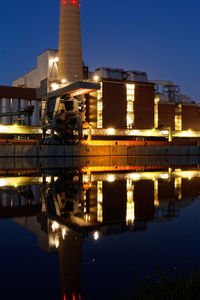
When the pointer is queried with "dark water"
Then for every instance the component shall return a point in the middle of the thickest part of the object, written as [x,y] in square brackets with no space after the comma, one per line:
[82,233]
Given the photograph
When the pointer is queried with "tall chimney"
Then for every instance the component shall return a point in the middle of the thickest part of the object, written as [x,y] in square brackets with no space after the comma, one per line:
[70,64]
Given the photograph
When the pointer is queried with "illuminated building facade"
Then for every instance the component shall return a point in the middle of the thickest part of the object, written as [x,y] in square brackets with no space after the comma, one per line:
[121,105]
[181,116]
[126,99]
[173,109]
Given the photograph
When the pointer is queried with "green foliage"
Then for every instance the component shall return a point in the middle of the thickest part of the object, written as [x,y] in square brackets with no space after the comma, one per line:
[170,284]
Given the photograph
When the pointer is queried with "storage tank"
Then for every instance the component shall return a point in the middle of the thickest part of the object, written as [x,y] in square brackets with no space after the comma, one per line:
[5,108]
[70,64]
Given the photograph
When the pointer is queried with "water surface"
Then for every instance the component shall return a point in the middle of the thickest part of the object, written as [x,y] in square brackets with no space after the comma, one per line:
[81,233]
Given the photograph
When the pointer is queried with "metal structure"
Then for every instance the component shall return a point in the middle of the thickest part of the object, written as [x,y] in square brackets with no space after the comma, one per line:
[28,111]
[63,112]
[172,91]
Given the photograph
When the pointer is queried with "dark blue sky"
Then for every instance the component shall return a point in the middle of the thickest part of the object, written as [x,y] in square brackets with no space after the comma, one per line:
[159,37]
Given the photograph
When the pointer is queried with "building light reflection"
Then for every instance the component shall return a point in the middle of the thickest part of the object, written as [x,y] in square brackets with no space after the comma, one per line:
[86,178]
[87,218]
[100,107]
[135,176]
[156,120]
[164,176]
[96,235]
[64,233]
[55,226]
[57,243]
[48,179]
[111,131]
[100,201]
[110,178]
[178,187]
[130,206]
[19,181]
[156,200]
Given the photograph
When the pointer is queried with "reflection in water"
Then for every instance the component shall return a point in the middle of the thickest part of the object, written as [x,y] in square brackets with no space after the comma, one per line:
[63,207]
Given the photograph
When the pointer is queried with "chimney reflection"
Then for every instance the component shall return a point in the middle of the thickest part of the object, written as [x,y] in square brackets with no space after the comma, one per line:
[70,256]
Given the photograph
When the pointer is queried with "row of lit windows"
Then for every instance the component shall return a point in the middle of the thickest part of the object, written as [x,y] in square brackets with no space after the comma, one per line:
[130,97]
[178,118]
[100,107]
[156,101]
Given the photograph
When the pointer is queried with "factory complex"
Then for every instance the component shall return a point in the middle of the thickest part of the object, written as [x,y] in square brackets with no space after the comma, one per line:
[61,100]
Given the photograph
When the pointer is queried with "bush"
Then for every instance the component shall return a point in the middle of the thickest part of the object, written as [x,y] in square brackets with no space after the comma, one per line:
[170,284]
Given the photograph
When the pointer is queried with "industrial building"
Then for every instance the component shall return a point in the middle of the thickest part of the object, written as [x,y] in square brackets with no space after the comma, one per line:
[107,98]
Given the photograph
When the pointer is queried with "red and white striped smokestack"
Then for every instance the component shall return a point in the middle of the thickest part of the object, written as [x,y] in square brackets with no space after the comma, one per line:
[70,64]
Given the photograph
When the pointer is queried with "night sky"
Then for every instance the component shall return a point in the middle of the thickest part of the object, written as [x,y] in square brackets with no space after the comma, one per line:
[159,37]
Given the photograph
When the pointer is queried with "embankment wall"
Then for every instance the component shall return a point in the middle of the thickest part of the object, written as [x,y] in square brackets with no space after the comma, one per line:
[95,150]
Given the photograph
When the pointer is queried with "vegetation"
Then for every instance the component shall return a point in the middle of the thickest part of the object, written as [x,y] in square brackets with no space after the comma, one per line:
[173,283]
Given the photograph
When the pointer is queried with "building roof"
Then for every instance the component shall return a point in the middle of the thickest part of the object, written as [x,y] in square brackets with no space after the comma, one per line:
[17,93]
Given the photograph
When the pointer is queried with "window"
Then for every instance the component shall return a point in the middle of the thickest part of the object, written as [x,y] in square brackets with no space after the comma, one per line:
[178,118]
[100,107]
[130,97]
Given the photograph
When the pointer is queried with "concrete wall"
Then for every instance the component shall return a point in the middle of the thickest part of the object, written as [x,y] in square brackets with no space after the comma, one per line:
[137,162]
[87,151]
